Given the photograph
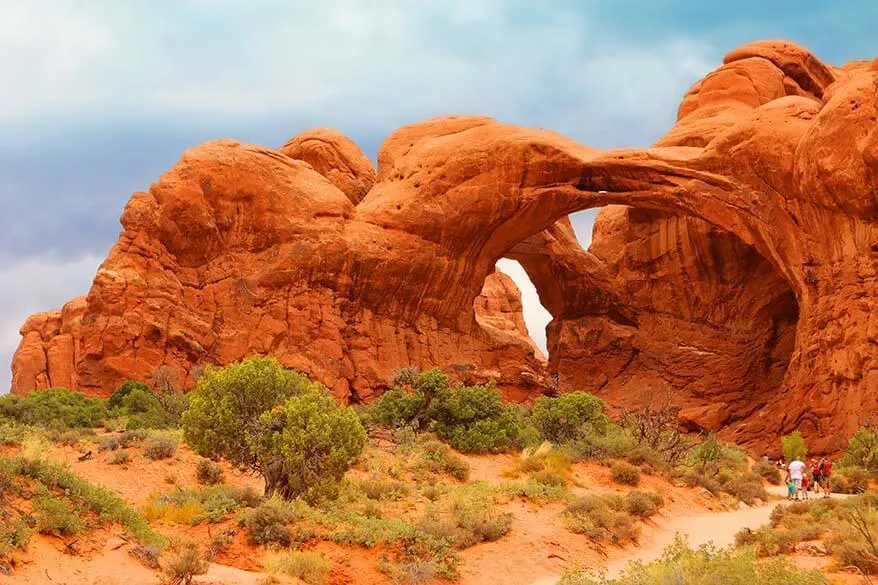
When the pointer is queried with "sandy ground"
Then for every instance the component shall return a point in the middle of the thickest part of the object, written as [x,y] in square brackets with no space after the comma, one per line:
[537,550]
[700,528]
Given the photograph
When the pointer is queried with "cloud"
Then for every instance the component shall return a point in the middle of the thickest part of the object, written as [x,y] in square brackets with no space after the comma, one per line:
[33,285]
[373,65]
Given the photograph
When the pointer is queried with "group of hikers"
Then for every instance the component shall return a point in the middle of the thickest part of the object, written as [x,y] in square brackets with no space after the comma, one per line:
[802,479]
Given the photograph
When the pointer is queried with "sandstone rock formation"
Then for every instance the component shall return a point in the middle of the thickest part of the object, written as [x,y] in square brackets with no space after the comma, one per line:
[739,275]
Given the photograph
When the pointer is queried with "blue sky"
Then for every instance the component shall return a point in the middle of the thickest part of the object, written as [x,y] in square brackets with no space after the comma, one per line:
[98,97]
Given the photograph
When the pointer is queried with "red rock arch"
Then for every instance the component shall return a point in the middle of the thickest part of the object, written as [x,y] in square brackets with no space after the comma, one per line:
[305,254]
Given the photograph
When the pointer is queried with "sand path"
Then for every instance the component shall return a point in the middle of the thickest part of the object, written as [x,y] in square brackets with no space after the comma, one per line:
[716,527]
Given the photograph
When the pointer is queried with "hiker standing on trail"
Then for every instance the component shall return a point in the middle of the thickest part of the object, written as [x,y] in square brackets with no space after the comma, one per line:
[825,466]
[816,476]
[796,472]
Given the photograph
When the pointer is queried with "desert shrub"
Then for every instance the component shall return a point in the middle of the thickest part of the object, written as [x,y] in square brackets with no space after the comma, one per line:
[654,428]
[208,472]
[378,488]
[310,567]
[57,516]
[625,473]
[395,407]
[439,458]
[849,480]
[407,376]
[706,565]
[98,499]
[13,432]
[473,419]
[210,504]
[414,572]
[568,417]
[768,472]
[534,491]
[13,535]
[269,523]
[67,437]
[183,565]
[471,518]
[126,439]
[139,401]
[766,541]
[276,422]
[479,521]
[601,518]
[612,442]
[643,504]
[159,447]
[55,407]
[117,398]
[220,542]
[747,487]
[794,446]
[175,507]
[862,450]
[147,554]
[118,457]
[544,464]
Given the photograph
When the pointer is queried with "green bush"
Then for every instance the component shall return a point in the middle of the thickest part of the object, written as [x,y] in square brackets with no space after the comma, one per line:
[862,450]
[395,407]
[57,516]
[705,566]
[612,442]
[269,523]
[794,446]
[117,398]
[849,480]
[208,472]
[277,422]
[625,473]
[473,418]
[568,417]
[317,440]
[55,407]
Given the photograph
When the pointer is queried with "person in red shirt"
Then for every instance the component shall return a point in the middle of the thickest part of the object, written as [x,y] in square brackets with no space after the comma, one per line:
[825,466]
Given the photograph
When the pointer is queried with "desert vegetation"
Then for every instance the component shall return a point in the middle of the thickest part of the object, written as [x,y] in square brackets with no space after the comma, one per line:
[394,477]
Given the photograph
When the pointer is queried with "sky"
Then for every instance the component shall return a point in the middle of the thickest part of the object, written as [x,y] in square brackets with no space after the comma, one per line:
[99,97]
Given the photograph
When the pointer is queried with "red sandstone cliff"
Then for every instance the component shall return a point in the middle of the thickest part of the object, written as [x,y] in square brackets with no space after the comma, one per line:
[741,274]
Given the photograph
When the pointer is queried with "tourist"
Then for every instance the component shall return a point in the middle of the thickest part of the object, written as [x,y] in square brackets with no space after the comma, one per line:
[816,476]
[806,483]
[825,466]
[796,472]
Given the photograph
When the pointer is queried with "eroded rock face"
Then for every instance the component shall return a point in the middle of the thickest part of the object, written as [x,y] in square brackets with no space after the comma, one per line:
[741,275]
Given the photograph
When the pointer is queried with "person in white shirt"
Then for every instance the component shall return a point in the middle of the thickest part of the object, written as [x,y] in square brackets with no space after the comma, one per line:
[796,472]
